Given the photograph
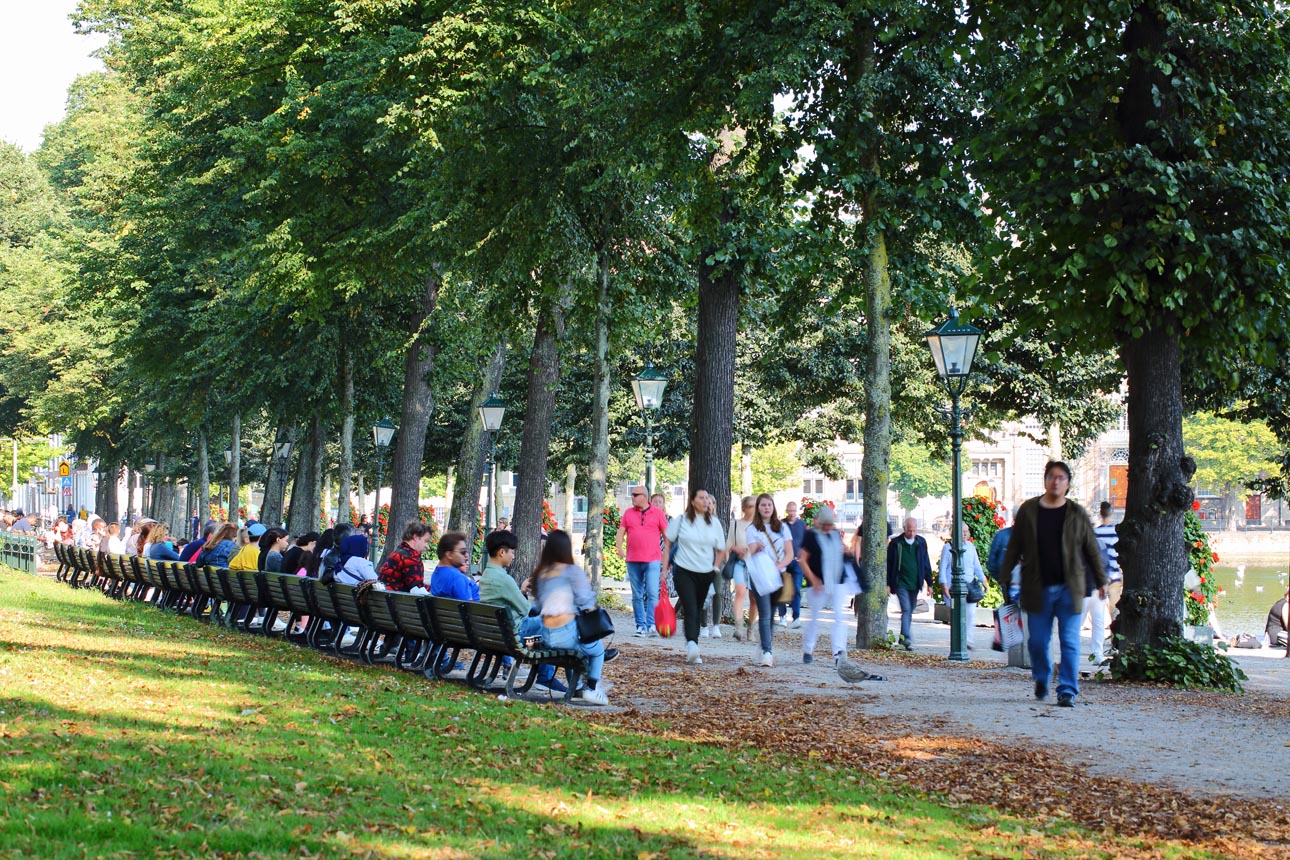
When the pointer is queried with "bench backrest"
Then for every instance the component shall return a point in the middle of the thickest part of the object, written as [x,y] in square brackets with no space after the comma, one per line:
[406,610]
[449,625]
[489,627]
[288,591]
[378,613]
[346,604]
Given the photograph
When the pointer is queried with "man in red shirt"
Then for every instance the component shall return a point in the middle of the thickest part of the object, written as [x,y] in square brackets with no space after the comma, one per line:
[402,570]
[644,527]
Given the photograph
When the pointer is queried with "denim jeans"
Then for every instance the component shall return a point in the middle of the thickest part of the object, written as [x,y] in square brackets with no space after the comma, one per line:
[643,576]
[765,617]
[908,598]
[795,569]
[1058,607]
[567,637]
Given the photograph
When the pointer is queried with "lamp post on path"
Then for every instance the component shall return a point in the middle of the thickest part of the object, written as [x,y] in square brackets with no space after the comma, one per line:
[648,387]
[491,412]
[953,345]
[382,433]
[228,484]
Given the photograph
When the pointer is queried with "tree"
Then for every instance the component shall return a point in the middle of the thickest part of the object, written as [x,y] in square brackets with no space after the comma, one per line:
[1230,455]
[915,474]
[1133,157]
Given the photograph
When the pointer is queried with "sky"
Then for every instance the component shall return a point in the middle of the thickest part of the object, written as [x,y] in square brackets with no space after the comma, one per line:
[40,55]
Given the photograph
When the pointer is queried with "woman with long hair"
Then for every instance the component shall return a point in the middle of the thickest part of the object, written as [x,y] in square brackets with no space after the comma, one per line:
[737,543]
[700,544]
[561,591]
[770,547]
[142,545]
[219,547]
[272,544]
[293,560]
[159,547]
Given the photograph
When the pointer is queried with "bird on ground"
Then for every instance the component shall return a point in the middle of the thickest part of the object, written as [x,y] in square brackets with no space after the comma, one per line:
[851,673]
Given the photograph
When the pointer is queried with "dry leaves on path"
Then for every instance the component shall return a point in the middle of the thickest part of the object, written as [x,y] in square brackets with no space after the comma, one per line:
[737,707]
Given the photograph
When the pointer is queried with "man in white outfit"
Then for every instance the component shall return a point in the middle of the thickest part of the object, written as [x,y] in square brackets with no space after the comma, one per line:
[832,587]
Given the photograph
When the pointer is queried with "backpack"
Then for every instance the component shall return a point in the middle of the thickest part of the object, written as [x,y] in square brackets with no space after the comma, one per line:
[328,570]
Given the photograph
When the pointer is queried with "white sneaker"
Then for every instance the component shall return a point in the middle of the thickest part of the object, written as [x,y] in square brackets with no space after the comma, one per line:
[783,622]
[640,631]
[350,638]
[595,697]
[279,625]
[795,624]
[692,653]
[716,631]
[652,632]
[767,658]
[703,633]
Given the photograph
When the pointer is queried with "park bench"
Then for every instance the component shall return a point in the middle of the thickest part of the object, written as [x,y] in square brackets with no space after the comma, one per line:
[490,630]
[405,609]
[287,593]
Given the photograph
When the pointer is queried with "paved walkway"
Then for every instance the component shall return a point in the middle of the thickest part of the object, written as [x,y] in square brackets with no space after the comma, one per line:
[1193,741]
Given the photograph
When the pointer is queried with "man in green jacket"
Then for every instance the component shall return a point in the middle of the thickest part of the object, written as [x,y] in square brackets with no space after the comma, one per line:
[1053,539]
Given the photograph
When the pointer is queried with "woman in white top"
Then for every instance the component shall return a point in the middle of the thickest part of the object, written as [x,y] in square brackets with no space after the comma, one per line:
[700,550]
[737,543]
[770,550]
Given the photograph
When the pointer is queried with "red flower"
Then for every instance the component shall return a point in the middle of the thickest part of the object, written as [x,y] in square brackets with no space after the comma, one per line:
[1195,504]
[1202,580]
[999,521]
[1196,596]
[1215,556]
[1198,544]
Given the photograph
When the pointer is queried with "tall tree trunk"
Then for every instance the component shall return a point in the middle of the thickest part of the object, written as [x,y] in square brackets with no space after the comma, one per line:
[712,427]
[745,469]
[129,495]
[1153,554]
[235,471]
[871,608]
[300,514]
[318,439]
[203,478]
[450,494]
[346,432]
[275,482]
[593,543]
[418,404]
[463,514]
[111,500]
[535,441]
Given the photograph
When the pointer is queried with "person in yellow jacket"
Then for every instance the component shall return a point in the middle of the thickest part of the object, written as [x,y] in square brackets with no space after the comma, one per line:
[248,557]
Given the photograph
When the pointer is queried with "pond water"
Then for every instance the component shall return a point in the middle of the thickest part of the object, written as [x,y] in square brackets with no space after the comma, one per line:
[1244,608]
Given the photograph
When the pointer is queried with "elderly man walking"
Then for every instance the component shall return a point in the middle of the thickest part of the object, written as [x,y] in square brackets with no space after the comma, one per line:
[908,569]
[1053,539]
[644,528]
[823,563]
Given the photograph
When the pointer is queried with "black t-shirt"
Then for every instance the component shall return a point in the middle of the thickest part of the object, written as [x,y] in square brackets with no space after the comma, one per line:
[1275,626]
[1050,523]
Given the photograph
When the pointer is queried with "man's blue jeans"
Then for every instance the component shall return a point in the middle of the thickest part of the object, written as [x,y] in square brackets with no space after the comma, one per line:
[908,598]
[1058,606]
[643,576]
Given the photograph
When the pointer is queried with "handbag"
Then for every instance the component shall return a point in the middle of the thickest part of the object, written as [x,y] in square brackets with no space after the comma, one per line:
[728,569]
[664,613]
[786,591]
[594,624]
[976,591]
[1008,620]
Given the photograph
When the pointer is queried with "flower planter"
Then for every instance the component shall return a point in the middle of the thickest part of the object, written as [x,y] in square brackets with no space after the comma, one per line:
[941,612]
[1201,634]
[977,617]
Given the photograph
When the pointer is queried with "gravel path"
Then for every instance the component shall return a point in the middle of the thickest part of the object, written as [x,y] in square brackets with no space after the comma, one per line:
[1198,742]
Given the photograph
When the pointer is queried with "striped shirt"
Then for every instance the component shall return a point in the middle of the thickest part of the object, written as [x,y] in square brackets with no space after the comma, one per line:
[1106,541]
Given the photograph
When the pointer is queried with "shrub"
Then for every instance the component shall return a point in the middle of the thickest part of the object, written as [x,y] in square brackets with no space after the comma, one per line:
[1200,590]
[1178,662]
[810,508]
[614,566]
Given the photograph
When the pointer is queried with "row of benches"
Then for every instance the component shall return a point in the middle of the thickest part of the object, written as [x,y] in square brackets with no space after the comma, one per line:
[385,622]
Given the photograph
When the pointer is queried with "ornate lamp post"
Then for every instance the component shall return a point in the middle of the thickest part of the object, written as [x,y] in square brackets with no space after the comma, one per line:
[228,483]
[648,387]
[382,433]
[491,412]
[953,345]
[149,466]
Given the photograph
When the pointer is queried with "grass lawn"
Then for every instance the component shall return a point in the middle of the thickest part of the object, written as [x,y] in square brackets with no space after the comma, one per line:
[126,732]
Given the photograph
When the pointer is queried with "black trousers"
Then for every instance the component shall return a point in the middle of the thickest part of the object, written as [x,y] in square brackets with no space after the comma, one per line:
[693,588]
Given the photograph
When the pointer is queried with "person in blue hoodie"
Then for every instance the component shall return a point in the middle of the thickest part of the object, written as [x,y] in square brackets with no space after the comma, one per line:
[447,580]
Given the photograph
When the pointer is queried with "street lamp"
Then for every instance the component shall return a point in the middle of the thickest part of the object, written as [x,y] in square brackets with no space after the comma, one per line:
[382,433]
[953,345]
[282,445]
[149,466]
[648,387]
[228,482]
[491,412]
